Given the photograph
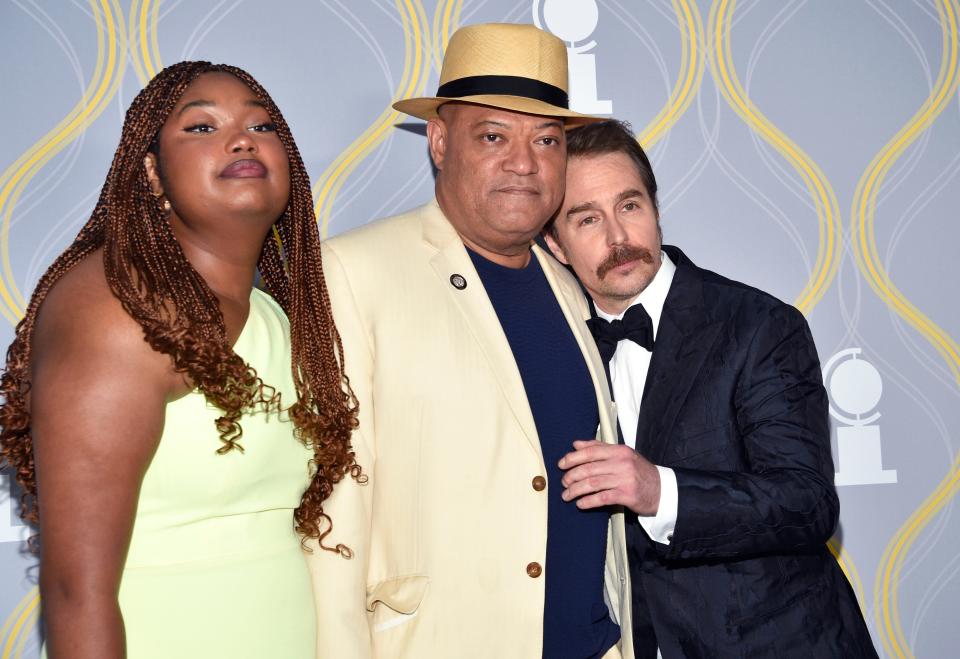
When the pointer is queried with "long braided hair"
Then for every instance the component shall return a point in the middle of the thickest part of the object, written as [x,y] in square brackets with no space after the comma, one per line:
[148,272]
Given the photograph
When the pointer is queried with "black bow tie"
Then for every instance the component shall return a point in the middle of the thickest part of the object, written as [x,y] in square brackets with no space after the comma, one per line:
[635,326]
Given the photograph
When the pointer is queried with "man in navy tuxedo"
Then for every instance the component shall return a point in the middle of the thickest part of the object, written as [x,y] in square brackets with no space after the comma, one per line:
[726,456]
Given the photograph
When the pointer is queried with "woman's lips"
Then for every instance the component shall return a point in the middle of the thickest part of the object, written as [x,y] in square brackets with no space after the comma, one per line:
[247,168]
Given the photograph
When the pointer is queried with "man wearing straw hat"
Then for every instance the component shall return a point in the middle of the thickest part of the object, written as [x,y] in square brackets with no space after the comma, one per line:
[474,374]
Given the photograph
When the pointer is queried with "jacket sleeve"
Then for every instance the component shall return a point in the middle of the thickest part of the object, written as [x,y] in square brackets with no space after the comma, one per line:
[340,584]
[784,500]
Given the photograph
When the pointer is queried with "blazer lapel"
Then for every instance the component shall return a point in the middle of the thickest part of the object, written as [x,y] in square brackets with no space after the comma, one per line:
[684,338]
[573,304]
[451,259]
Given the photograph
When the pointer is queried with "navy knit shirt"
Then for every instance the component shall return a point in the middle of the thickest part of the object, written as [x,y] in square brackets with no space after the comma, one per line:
[576,622]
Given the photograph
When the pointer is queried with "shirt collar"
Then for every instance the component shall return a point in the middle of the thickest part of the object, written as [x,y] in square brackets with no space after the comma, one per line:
[653,296]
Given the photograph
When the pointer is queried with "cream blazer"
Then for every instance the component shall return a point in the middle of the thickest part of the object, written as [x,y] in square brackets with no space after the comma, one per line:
[449,521]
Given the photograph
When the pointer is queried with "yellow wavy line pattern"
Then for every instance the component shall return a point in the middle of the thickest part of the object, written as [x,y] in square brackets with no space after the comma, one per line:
[448,12]
[865,198]
[886,590]
[830,235]
[155,37]
[688,79]
[416,71]
[863,220]
[19,624]
[108,71]
[135,36]
[144,41]
[849,569]
[825,200]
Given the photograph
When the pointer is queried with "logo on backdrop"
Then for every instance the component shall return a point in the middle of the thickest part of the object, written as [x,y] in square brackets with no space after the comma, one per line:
[855,387]
[574,21]
[9,530]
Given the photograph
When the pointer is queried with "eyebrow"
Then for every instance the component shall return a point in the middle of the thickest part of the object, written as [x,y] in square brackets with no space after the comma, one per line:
[204,103]
[591,205]
[491,122]
[579,208]
[626,194]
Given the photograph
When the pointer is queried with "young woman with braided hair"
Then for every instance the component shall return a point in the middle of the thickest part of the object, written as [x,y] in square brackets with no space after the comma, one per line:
[172,433]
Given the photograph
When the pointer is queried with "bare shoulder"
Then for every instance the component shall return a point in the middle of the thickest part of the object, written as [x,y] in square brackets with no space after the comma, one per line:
[98,400]
[81,324]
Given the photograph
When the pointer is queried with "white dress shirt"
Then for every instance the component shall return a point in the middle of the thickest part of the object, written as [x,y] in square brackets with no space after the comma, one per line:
[628,374]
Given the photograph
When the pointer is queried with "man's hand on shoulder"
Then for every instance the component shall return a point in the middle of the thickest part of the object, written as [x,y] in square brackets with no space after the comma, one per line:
[601,474]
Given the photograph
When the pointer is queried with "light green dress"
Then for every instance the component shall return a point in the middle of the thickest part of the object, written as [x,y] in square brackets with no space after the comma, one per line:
[215,568]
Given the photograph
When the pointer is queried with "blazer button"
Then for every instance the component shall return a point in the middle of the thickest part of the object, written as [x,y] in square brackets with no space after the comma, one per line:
[539,483]
[534,570]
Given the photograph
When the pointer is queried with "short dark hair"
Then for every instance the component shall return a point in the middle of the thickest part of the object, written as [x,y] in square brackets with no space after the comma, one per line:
[613,136]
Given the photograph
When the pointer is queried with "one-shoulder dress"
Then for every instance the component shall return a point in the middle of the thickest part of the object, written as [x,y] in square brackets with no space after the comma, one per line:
[215,568]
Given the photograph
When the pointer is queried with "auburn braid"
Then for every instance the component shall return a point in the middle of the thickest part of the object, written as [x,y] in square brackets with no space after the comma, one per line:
[148,272]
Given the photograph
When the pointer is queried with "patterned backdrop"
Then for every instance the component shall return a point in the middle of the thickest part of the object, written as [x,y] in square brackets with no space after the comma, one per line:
[808,147]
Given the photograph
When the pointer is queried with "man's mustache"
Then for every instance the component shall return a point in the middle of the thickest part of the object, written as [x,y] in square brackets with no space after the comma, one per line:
[623,254]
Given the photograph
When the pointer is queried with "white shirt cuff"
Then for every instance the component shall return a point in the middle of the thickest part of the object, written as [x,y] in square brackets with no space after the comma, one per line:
[660,526]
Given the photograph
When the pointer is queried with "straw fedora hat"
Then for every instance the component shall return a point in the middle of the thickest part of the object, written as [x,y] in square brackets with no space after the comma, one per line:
[503,65]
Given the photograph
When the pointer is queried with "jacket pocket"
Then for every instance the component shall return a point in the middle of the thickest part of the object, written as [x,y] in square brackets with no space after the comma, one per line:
[393,603]
[402,594]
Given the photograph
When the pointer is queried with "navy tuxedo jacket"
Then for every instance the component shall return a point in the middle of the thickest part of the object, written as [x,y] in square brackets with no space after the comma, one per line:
[734,404]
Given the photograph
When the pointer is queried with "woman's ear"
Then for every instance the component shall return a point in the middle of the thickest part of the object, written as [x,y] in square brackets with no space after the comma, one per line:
[153,174]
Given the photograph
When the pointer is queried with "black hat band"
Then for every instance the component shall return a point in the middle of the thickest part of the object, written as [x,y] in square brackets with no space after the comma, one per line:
[505,86]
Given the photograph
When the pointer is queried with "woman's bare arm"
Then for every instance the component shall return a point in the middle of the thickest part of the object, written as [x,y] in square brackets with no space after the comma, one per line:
[97,407]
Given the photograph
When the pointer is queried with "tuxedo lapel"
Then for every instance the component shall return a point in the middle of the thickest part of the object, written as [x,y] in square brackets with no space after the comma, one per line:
[451,259]
[685,337]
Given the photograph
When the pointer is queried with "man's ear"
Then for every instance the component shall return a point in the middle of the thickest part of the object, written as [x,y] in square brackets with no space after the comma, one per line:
[550,238]
[153,174]
[437,140]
